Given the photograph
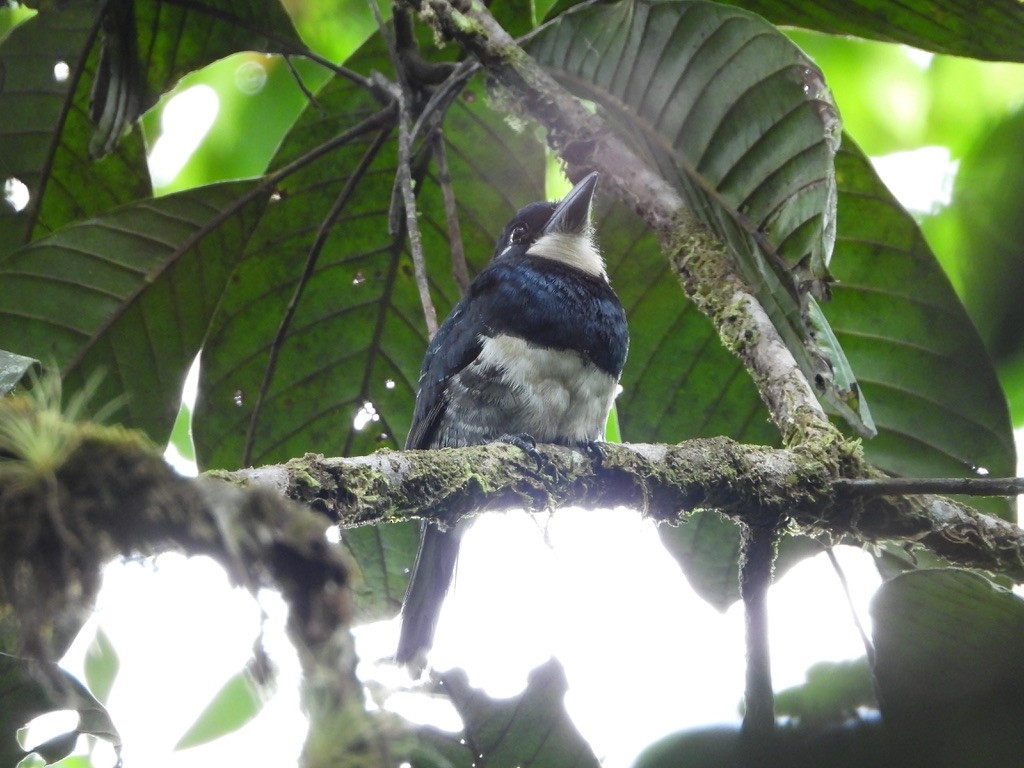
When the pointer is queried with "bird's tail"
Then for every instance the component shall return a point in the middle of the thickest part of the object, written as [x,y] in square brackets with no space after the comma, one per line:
[431,577]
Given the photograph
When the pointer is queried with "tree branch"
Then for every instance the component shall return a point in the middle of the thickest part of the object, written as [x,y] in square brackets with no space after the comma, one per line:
[753,485]
[114,495]
[902,486]
[757,558]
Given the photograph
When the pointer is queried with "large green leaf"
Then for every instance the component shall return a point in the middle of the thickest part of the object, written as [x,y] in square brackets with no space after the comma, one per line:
[948,667]
[48,65]
[324,316]
[854,744]
[741,123]
[832,694]
[656,68]
[914,349]
[988,30]
[937,402]
[129,293]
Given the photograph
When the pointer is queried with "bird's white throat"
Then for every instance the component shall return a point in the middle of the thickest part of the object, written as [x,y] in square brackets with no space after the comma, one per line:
[569,248]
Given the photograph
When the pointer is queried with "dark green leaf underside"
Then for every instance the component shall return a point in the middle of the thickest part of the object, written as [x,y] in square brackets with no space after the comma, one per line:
[937,402]
[988,30]
[129,293]
[45,131]
[739,121]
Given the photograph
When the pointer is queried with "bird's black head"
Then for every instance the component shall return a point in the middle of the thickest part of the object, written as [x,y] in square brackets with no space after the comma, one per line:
[524,229]
[559,231]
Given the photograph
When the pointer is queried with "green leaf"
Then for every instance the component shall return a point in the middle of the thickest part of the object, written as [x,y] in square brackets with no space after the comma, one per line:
[532,729]
[892,101]
[990,30]
[45,132]
[938,404]
[13,369]
[239,700]
[23,697]
[707,548]
[945,635]
[177,38]
[130,293]
[679,380]
[101,665]
[251,89]
[385,555]
[916,354]
[741,123]
[110,60]
[948,667]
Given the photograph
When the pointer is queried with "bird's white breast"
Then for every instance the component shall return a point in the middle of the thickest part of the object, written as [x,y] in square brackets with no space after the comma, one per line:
[555,394]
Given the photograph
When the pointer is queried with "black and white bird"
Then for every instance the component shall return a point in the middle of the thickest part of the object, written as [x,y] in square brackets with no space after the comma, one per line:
[535,348]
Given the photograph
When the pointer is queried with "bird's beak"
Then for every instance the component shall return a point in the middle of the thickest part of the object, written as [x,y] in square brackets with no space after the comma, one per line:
[572,215]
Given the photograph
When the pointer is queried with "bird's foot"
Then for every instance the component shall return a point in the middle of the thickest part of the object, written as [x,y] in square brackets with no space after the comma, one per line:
[527,444]
[594,450]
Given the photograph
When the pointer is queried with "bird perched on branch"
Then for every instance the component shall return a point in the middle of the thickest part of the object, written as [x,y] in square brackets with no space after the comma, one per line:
[532,351]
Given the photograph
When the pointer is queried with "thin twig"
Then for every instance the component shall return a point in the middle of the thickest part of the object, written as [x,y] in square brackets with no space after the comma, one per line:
[345,72]
[442,98]
[299,82]
[404,180]
[307,273]
[869,648]
[460,271]
[905,486]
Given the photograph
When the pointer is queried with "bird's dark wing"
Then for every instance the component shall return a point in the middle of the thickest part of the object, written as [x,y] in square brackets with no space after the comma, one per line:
[455,345]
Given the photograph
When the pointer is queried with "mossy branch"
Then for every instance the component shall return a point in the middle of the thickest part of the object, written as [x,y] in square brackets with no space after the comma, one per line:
[753,485]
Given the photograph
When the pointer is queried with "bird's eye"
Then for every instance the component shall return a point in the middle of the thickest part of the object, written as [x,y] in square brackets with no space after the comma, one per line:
[519,233]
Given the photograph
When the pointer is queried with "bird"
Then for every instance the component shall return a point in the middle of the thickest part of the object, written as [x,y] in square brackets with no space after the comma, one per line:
[533,352]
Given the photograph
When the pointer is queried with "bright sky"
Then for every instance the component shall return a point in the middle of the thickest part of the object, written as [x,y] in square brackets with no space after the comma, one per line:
[643,654]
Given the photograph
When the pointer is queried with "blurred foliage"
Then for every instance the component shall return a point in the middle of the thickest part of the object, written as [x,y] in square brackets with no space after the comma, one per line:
[11,16]
[834,693]
[947,668]
[237,702]
[250,90]
[894,98]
